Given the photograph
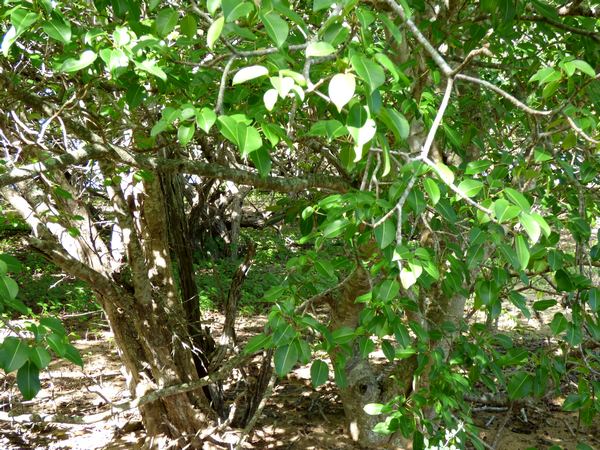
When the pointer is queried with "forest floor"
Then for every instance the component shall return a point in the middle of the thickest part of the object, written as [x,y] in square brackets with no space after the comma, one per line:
[311,418]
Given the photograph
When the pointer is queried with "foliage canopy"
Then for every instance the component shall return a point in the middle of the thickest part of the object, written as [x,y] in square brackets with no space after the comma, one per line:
[445,153]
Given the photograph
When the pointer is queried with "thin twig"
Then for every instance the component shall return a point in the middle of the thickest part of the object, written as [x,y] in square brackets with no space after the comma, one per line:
[519,104]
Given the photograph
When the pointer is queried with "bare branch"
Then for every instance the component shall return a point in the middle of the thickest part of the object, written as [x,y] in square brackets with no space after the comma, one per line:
[519,104]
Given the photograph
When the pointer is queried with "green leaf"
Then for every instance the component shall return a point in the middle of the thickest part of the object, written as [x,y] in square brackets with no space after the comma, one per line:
[276,28]
[262,161]
[228,127]
[335,228]
[149,66]
[369,71]
[214,32]
[285,358]
[12,263]
[543,305]
[531,226]
[432,189]
[58,28]
[444,172]
[544,227]
[388,350]
[249,73]
[518,199]
[385,233]
[135,95]
[212,6]
[8,288]
[572,403]
[28,380]
[56,343]
[72,354]
[185,133]
[8,40]
[165,21]
[470,188]
[22,19]
[341,89]
[14,352]
[520,385]
[388,290]
[53,324]
[317,49]
[559,323]
[409,275]
[522,251]
[322,4]
[505,211]
[235,9]
[248,139]
[487,291]
[342,335]
[594,299]
[319,372]
[205,119]
[39,356]
[563,281]
[374,409]
[396,122]
[256,343]
[84,60]
[583,67]
[188,26]
[331,129]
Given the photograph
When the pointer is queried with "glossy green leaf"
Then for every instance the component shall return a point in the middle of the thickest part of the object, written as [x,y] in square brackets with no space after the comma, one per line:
[319,372]
[165,21]
[39,356]
[150,66]
[8,288]
[72,354]
[505,211]
[470,188]
[396,122]
[214,32]
[520,385]
[256,343]
[189,26]
[335,228]
[563,281]
[22,19]
[236,9]
[518,199]
[385,233]
[185,133]
[58,28]
[341,89]
[369,71]
[432,189]
[205,119]
[75,64]
[522,251]
[276,28]
[249,73]
[531,226]
[285,359]
[28,380]
[262,161]
[317,49]
[248,139]
[14,352]
[559,323]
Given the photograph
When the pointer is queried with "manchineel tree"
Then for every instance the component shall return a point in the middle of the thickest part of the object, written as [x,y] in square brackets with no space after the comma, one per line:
[445,153]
